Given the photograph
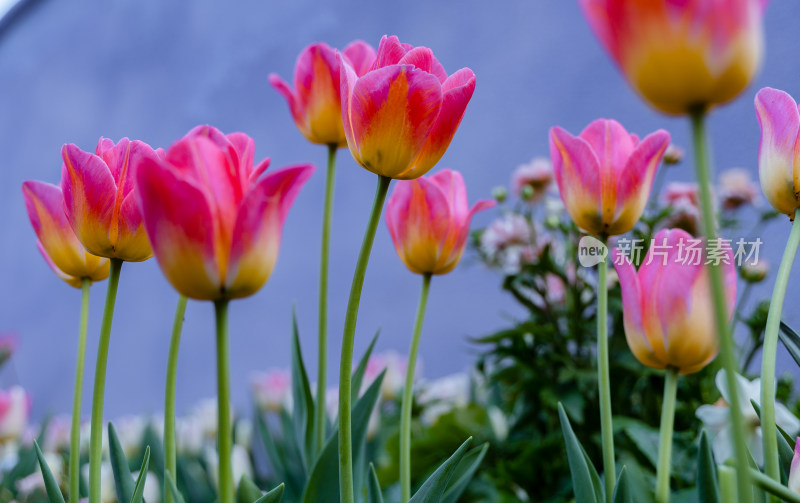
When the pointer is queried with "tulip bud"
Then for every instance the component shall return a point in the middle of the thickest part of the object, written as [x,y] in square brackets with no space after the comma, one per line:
[429,219]
[754,272]
[605,174]
[779,149]
[682,56]
[667,311]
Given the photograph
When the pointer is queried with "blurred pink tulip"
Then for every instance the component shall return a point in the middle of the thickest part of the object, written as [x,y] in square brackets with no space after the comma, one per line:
[794,470]
[400,116]
[100,198]
[605,174]
[57,242]
[667,309]
[15,408]
[315,101]
[684,55]
[215,226]
[537,175]
[429,219]
[779,150]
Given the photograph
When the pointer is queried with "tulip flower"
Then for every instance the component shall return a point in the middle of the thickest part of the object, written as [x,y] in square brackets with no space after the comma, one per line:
[429,219]
[779,149]
[315,101]
[15,407]
[605,174]
[215,226]
[100,198]
[794,470]
[682,56]
[667,303]
[400,117]
[57,242]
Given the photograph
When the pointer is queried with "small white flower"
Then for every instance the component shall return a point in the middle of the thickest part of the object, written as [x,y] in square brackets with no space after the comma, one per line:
[716,419]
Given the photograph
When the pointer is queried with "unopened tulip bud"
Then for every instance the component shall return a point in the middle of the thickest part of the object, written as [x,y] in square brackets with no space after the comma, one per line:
[754,272]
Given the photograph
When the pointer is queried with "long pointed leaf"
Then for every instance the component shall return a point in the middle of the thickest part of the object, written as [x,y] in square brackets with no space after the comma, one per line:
[176,495]
[707,486]
[324,479]
[433,488]
[464,473]
[791,340]
[274,496]
[50,483]
[303,401]
[584,482]
[361,369]
[138,491]
[374,494]
[622,490]
[248,491]
[123,480]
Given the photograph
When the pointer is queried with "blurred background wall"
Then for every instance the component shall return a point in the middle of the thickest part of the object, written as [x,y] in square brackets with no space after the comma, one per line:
[151,70]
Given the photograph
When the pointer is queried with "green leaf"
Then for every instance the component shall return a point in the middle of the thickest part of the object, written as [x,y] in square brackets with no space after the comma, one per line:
[176,495]
[138,491]
[374,495]
[585,481]
[433,488]
[622,490]
[791,340]
[464,473]
[707,487]
[361,369]
[248,491]
[50,483]
[302,399]
[274,496]
[123,480]
[324,479]
[785,452]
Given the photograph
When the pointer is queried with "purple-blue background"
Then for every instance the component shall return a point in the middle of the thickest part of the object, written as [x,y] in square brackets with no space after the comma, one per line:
[75,71]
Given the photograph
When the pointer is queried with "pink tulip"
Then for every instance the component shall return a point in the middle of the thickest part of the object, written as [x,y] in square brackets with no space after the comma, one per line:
[400,117]
[429,219]
[215,226]
[605,174]
[737,189]
[100,198]
[537,176]
[315,101]
[779,150]
[57,242]
[683,55]
[794,469]
[667,309]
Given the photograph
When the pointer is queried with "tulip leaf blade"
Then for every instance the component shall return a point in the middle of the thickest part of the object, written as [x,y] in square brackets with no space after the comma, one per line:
[248,491]
[361,369]
[302,399]
[434,487]
[50,483]
[173,489]
[138,491]
[324,478]
[585,480]
[273,496]
[123,481]
[791,340]
[374,494]
[464,473]
[623,492]
[707,486]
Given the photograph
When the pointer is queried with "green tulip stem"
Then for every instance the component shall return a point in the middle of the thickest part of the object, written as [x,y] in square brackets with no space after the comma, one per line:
[667,427]
[224,429]
[170,451]
[346,484]
[77,397]
[770,351]
[604,381]
[322,364]
[96,438]
[720,305]
[727,484]
[408,395]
